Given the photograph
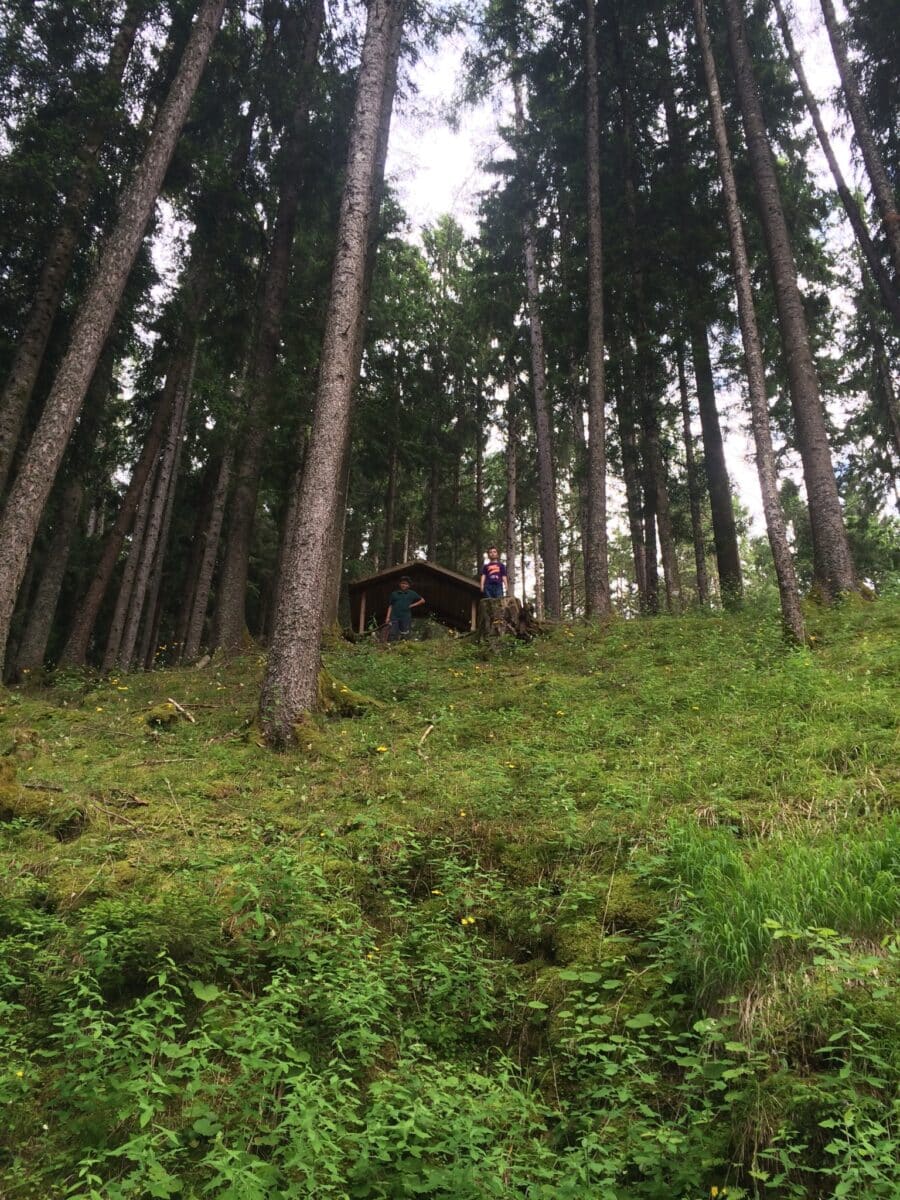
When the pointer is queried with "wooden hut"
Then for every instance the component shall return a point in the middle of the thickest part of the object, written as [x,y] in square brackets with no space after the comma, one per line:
[450,598]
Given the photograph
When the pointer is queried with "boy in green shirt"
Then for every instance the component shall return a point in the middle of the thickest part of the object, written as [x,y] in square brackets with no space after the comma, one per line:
[400,606]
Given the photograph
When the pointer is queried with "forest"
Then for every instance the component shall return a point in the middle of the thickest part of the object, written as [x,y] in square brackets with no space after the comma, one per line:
[605,911]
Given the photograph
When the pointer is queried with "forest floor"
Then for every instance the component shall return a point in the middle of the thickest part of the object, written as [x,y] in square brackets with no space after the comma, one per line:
[607,917]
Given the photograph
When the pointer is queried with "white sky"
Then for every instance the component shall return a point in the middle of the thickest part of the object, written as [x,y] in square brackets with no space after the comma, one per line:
[436,170]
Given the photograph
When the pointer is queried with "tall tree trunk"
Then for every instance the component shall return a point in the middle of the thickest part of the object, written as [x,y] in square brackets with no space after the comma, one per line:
[156,522]
[881,184]
[651,561]
[232,589]
[29,493]
[728,558]
[479,474]
[633,500]
[694,489]
[290,686]
[32,647]
[433,507]
[194,633]
[889,393]
[333,590]
[656,498]
[886,287]
[512,438]
[51,285]
[792,614]
[543,422]
[390,505]
[153,604]
[597,601]
[76,648]
[833,564]
[522,559]
[129,571]
[193,553]
[539,592]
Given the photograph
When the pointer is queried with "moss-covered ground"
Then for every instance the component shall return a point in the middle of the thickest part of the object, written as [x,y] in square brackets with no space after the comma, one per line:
[608,916]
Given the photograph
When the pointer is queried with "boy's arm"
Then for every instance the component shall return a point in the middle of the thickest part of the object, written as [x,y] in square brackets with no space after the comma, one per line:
[388,617]
[482,578]
[416,603]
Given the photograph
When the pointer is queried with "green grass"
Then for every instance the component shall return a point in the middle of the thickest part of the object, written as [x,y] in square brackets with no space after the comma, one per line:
[609,916]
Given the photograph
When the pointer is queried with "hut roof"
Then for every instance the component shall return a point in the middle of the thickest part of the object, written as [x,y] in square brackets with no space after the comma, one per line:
[450,598]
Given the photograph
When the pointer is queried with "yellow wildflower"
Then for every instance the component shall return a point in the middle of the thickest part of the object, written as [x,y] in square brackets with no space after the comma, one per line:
[381,749]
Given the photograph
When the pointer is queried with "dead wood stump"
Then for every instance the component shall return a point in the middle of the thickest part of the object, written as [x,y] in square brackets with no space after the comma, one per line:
[505,617]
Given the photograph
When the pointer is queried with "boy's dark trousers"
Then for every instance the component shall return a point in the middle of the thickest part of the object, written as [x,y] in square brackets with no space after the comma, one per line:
[400,626]
[493,591]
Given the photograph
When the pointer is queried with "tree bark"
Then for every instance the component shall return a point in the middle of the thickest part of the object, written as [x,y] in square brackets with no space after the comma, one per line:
[512,437]
[332,594]
[153,605]
[433,507]
[889,393]
[728,558]
[881,184]
[633,497]
[94,319]
[523,576]
[159,507]
[32,648]
[290,684]
[76,648]
[656,498]
[213,533]
[886,287]
[129,571]
[597,601]
[390,505]
[539,593]
[231,622]
[694,489]
[792,614]
[833,564]
[651,561]
[32,344]
[203,504]
[543,422]
[479,473]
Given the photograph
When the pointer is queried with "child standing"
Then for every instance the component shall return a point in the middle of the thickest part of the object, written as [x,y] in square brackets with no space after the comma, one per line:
[400,606]
[493,575]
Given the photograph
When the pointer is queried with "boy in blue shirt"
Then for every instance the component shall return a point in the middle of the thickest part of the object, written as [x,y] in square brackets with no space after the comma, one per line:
[493,576]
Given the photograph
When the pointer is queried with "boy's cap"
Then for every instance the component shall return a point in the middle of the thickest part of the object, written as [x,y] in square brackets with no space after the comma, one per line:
[405,579]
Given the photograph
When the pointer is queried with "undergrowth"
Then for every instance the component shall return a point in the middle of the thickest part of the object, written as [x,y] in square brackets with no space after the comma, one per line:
[612,916]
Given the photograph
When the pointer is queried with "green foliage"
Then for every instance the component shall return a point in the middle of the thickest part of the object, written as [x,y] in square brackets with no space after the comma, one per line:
[621,925]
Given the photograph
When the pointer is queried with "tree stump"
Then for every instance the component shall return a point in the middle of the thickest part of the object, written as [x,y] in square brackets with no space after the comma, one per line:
[505,617]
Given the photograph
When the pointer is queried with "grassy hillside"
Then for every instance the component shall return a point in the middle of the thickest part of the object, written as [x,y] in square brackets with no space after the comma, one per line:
[609,916]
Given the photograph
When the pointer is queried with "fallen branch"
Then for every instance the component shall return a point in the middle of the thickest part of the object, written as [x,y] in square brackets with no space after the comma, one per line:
[421,753]
[179,708]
